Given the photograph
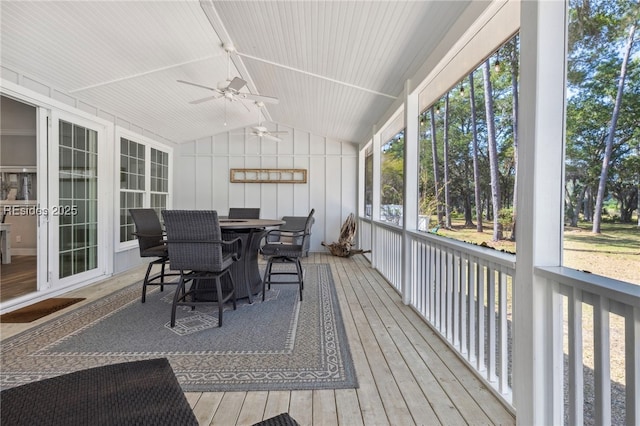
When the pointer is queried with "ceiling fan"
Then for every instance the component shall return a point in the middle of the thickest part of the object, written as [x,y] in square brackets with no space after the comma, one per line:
[262,132]
[231,88]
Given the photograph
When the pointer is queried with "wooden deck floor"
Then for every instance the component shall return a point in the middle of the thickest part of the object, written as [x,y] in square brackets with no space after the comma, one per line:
[407,375]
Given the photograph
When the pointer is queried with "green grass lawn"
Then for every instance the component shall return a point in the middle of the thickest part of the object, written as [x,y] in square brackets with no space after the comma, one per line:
[614,253]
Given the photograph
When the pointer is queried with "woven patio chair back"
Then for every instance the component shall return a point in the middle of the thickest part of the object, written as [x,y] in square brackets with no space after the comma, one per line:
[244,213]
[148,231]
[194,240]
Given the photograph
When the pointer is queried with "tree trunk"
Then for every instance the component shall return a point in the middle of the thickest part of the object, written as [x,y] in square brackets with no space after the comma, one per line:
[445,161]
[493,151]
[468,214]
[572,201]
[580,204]
[588,205]
[434,155]
[604,174]
[476,166]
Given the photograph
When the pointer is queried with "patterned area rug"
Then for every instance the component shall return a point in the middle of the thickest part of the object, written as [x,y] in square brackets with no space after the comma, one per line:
[279,344]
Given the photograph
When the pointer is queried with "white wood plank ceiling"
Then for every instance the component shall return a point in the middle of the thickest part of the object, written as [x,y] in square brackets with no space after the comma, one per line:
[335,66]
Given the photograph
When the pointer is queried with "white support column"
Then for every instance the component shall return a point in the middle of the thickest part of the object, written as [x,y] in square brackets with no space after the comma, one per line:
[540,206]
[362,158]
[409,209]
[375,208]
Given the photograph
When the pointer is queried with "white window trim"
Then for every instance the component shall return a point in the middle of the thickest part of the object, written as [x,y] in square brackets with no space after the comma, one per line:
[148,144]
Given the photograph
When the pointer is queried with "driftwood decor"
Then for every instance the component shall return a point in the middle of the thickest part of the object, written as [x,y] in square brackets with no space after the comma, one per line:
[343,248]
[268,175]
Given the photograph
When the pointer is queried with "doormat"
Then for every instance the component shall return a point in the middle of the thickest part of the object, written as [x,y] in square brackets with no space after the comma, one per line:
[38,310]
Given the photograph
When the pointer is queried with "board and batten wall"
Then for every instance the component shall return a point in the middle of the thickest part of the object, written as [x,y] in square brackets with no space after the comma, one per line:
[202,179]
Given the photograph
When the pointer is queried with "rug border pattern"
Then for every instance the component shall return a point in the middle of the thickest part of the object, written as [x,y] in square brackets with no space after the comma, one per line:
[334,371]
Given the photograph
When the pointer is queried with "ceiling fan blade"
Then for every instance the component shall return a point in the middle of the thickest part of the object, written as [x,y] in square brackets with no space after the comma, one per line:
[260,98]
[197,85]
[279,132]
[273,138]
[236,84]
[208,98]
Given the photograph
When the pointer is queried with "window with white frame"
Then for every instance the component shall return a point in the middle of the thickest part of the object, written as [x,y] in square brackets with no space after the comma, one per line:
[159,180]
[144,180]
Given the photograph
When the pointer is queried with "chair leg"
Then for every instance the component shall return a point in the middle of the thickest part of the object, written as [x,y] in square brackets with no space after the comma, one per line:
[267,277]
[194,289]
[300,276]
[220,304]
[162,276]
[233,289]
[176,297]
[146,280]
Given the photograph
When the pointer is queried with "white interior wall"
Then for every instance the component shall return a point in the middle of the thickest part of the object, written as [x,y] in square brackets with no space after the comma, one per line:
[202,167]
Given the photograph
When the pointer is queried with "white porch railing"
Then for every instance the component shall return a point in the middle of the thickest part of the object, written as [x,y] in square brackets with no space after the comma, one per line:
[363,235]
[607,360]
[387,256]
[465,293]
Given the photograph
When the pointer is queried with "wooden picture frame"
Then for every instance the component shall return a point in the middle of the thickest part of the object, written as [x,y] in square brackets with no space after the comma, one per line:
[268,175]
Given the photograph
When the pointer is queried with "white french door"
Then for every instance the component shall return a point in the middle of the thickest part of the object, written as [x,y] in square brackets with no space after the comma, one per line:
[76,204]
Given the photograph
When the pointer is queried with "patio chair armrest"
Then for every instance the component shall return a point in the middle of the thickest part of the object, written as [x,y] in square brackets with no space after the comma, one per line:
[142,234]
[237,255]
[284,233]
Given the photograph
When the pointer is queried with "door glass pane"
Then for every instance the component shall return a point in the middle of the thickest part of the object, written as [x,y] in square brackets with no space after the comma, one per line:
[78,191]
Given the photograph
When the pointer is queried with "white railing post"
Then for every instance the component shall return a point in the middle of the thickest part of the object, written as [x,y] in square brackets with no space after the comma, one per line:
[601,358]
[554,351]
[504,334]
[491,324]
[575,364]
[632,364]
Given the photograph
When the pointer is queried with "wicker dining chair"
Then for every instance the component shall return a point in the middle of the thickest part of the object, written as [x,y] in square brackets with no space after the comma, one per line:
[244,213]
[148,231]
[286,246]
[197,250]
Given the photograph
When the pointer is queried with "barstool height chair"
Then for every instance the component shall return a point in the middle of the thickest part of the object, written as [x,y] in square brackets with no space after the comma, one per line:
[286,247]
[203,258]
[151,243]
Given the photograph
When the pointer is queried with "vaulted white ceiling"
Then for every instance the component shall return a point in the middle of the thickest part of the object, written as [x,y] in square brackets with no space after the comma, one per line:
[335,66]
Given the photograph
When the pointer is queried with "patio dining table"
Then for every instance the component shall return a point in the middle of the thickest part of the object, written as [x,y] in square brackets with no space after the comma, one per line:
[245,272]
